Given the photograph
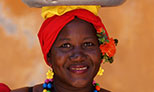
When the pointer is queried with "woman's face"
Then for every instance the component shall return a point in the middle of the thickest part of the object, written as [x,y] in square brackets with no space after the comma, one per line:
[75,56]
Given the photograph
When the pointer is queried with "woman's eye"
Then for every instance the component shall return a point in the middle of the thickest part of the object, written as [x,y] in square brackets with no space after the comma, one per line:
[66,45]
[88,44]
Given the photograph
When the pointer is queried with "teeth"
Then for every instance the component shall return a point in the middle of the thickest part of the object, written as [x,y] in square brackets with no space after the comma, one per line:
[83,68]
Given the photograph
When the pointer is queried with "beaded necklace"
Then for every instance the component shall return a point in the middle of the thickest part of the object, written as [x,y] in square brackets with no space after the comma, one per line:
[48,85]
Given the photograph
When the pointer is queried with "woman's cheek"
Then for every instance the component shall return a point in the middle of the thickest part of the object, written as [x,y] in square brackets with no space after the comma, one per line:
[96,55]
[59,58]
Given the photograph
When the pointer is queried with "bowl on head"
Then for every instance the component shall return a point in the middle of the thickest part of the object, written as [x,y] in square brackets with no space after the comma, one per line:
[42,3]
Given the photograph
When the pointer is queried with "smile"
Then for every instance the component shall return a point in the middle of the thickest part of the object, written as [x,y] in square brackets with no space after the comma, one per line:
[78,69]
[83,68]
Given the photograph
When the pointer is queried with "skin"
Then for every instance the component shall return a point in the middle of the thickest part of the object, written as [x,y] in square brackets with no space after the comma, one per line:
[76,47]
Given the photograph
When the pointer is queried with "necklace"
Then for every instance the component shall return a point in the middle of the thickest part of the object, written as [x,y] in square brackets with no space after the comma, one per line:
[48,85]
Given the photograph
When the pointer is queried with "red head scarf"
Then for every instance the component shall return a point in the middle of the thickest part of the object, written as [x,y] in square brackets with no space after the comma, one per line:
[52,26]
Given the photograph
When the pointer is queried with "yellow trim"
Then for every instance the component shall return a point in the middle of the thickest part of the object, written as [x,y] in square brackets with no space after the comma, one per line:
[50,11]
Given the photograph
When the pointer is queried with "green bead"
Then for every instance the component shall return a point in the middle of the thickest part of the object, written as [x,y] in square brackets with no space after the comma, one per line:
[48,91]
[97,84]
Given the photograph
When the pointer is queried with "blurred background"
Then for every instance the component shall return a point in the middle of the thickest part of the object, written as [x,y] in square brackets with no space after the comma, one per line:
[21,60]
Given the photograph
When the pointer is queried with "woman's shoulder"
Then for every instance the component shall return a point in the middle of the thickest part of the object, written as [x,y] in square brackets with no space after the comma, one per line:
[36,88]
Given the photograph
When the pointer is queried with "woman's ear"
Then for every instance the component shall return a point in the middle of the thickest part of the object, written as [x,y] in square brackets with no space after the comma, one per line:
[49,59]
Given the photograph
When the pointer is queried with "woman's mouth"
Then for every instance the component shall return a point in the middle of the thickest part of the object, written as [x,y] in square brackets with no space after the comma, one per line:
[83,68]
[78,69]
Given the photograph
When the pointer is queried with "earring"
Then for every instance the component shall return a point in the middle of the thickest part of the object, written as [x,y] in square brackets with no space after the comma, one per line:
[50,74]
[48,82]
[101,71]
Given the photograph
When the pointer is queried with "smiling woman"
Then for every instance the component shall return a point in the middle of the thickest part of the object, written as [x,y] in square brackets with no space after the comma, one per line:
[74,43]
[71,48]
[75,55]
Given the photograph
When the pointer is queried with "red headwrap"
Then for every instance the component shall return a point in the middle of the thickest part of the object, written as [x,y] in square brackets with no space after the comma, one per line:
[52,26]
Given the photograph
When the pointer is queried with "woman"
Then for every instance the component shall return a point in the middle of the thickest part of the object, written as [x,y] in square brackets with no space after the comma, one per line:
[74,43]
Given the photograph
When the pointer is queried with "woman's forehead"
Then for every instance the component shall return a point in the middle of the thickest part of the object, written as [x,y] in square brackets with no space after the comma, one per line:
[78,26]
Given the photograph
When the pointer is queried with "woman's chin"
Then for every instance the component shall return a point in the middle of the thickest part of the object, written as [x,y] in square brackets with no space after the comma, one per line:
[78,83]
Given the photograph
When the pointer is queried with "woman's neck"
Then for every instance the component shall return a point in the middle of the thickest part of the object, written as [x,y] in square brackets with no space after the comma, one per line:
[63,87]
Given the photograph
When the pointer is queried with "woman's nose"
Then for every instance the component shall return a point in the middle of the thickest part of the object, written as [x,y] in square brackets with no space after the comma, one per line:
[78,56]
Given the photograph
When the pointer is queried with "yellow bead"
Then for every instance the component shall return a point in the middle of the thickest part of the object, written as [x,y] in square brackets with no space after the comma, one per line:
[44,90]
[49,74]
[100,72]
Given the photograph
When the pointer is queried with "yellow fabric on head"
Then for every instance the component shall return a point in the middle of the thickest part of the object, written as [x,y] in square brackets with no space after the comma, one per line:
[50,11]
